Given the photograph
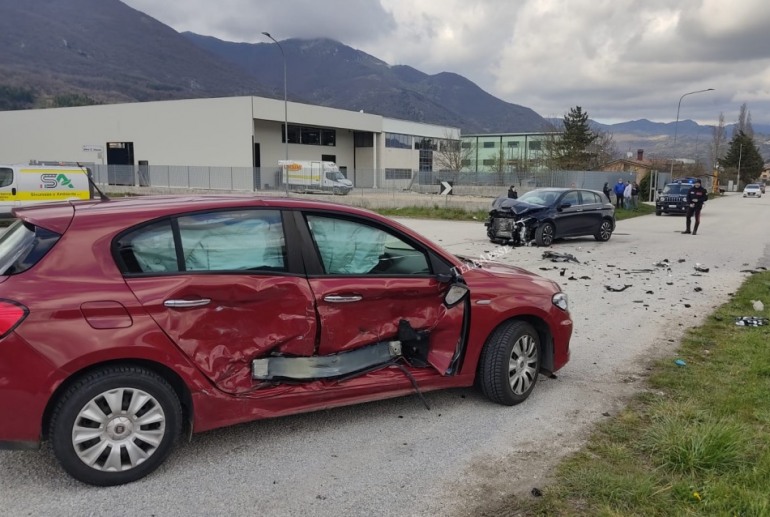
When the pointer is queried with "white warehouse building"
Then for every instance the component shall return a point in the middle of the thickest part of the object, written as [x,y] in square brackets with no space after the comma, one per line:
[230,143]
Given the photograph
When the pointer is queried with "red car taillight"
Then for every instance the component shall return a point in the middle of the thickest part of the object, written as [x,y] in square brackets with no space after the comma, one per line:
[11,314]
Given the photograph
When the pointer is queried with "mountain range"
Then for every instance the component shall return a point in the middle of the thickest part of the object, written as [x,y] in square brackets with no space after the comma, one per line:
[55,53]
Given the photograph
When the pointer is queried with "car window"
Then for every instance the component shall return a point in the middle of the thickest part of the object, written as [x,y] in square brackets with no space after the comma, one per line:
[354,248]
[571,198]
[6,176]
[590,198]
[236,240]
[23,245]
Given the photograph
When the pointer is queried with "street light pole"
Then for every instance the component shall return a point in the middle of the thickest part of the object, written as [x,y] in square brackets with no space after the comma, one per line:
[676,124]
[284,171]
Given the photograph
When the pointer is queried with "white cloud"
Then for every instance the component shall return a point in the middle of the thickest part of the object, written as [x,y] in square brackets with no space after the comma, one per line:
[618,59]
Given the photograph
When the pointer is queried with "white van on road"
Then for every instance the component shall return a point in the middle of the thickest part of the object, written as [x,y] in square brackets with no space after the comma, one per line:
[26,184]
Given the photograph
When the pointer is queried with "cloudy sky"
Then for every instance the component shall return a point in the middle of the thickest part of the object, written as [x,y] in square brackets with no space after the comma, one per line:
[618,59]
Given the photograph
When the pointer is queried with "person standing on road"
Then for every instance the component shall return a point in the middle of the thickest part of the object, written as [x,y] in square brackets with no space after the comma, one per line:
[634,195]
[606,190]
[618,189]
[696,196]
[512,194]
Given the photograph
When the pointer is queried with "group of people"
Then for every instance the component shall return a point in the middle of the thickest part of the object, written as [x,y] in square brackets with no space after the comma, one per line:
[626,194]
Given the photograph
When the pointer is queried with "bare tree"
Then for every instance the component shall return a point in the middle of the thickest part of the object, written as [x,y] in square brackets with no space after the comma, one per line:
[719,139]
[452,154]
[602,150]
[499,166]
[744,122]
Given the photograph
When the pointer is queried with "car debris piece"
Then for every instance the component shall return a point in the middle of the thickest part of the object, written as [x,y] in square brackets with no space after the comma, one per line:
[698,289]
[617,289]
[701,269]
[560,257]
[680,362]
[662,263]
[758,305]
[750,321]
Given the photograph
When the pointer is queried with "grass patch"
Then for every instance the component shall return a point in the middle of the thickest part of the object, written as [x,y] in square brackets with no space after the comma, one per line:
[696,443]
[434,212]
[622,213]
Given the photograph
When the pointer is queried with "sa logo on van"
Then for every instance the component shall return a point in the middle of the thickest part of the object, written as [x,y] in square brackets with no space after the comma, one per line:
[54,180]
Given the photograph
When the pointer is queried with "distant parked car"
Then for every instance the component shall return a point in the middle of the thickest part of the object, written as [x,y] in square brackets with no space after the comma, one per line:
[752,190]
[543,215]
[126,324]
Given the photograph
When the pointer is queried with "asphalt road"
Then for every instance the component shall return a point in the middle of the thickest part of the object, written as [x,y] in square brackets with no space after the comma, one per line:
[465,453]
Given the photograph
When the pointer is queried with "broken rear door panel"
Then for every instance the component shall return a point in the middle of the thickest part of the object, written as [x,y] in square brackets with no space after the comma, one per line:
[222,322]
[377,286]
[224,288]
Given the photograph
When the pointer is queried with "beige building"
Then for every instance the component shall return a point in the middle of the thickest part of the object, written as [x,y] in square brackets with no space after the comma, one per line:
[223,134]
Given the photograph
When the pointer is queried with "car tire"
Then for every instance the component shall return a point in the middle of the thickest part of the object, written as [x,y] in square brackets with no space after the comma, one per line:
[115,425]
[604,232]
[336,191]
[510,363]
[658,212]
[544,234]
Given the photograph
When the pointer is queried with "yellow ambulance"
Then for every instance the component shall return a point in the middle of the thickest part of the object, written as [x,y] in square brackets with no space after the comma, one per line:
[25,184]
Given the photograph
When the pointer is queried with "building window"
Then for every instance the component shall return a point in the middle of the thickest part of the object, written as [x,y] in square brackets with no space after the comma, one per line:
[465,163]
[425,144]
[489,145]
[426,160]
[535,145]
[488,162]
[398,174]
[398,141]
[513,144]
[465,145]
[328,137]
[362,139]
[311,136]
[308,135]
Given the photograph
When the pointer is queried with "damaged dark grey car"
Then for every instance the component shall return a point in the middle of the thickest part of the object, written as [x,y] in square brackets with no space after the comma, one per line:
[542,215]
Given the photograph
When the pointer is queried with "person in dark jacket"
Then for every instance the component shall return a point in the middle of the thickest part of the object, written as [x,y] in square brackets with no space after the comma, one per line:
[606,190]
[512,192]
[696,196]
[619,188]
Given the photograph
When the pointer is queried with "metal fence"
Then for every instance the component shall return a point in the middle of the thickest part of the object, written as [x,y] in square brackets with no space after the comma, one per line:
[252,179]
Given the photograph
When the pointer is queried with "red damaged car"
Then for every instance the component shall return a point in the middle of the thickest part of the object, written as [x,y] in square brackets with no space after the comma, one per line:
[124,323]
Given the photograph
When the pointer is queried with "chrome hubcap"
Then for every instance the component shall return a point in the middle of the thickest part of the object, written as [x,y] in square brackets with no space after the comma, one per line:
[522,365]
[118,429]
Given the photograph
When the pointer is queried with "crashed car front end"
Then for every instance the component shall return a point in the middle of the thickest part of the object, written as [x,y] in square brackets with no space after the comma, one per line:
[511,222]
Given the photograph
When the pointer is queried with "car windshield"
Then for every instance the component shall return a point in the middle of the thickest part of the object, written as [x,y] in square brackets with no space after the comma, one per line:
[676,188]
[540,197]
[334,175]
[752,187]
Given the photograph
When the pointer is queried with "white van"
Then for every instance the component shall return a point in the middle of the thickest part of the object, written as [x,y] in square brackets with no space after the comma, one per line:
[314,176]
[26,184]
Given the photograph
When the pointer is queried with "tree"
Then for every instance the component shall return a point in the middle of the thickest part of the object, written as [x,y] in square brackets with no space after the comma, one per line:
[452,154]
[742,159]
[744,122]
[601,151]
[573,148]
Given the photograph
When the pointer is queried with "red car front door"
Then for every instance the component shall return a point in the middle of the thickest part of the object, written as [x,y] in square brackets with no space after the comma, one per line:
[373,281]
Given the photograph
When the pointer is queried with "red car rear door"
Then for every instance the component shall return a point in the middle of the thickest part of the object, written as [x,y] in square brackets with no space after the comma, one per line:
[221,285]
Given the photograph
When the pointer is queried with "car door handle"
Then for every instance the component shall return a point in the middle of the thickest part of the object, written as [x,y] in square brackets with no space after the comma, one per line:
[333,298]
[184,304]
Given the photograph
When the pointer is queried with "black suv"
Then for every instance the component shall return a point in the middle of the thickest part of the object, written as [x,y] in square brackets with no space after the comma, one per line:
[673,198]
